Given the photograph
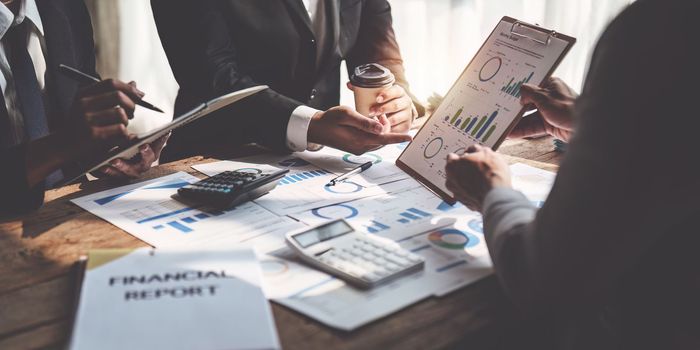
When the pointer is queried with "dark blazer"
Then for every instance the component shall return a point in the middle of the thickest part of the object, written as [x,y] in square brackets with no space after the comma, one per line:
[611,259]
[68,34]
[215,47]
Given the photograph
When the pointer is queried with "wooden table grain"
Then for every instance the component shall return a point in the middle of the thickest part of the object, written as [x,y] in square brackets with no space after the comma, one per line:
[38,277]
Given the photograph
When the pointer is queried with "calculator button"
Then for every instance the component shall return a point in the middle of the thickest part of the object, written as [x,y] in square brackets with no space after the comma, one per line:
[367,256]
[400,252]
[392,267]
[399,260]
[414,258]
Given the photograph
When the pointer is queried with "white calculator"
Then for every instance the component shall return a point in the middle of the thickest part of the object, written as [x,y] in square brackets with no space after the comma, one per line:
[357,258]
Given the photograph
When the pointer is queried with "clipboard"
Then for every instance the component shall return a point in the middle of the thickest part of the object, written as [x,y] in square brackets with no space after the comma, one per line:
[482,106]
[130,149]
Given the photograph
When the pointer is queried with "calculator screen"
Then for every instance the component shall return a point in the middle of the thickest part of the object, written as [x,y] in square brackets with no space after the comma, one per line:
[322,233]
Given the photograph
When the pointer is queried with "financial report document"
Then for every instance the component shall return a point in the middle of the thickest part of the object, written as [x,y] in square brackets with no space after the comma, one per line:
[484,103]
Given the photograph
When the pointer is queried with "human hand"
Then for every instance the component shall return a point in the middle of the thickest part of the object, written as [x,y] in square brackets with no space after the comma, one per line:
[139,164]
[343,128]
[398,107]
[555,105]
[102,112]
[472,175]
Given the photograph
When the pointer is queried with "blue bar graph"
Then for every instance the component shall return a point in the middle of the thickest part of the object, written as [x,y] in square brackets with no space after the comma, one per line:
[376,227]
[409,216]
[419,212]
[301,176]
[488,123]
[165,215]
[182,228]
[189,220]
[202,216]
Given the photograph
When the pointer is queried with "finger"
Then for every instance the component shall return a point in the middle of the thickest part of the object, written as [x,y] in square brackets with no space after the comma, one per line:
[391,106]
[391,93]
[358,121]
[112,171]
[140,93]
[111,85]
[148,156]
[108,100]
[110,133]
[126,168]
[390,138]
[531,94]
[107,117]
[529,126]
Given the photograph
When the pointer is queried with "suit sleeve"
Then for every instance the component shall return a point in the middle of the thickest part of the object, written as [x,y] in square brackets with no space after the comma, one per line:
[377,43]
[204,60]
[17,196]
[619,189]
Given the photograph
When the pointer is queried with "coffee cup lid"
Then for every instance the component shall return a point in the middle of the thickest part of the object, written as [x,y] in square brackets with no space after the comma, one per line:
[372,75]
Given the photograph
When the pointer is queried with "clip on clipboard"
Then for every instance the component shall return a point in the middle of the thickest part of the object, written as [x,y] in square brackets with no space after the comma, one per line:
[483,105]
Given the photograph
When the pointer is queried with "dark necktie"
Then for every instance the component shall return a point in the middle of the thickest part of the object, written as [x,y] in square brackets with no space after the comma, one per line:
[28,92]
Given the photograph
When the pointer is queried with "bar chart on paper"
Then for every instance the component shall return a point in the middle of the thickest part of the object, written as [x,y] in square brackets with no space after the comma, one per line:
[149,212]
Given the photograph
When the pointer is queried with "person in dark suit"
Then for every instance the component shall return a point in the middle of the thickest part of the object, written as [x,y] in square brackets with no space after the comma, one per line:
[296,47]
[48,123]
[610,260]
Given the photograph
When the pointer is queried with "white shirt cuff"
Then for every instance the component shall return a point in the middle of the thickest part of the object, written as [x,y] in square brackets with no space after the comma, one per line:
[298,128]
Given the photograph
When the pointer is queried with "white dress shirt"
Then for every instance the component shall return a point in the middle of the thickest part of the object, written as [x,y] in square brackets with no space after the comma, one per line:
[36,46]
[298,126]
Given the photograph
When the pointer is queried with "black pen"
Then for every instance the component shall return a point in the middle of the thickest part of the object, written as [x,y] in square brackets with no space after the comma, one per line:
[88,79]
[350,173]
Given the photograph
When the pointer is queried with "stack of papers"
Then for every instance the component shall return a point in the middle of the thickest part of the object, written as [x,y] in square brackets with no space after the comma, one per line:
[382,200]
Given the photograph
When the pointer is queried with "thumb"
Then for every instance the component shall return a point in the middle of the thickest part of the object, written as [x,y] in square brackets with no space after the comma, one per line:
[358,121]
[531,94]
[136,90]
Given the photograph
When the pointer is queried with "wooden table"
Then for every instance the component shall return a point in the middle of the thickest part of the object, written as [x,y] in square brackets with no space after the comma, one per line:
[38,280]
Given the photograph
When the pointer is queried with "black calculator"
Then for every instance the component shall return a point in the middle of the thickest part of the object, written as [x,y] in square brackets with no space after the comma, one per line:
[230,188]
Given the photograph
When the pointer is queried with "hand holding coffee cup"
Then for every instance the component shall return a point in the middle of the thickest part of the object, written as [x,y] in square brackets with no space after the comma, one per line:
[376,94]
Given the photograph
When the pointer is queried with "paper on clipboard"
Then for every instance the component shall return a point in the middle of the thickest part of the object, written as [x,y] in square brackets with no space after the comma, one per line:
[483,105]
[131,148]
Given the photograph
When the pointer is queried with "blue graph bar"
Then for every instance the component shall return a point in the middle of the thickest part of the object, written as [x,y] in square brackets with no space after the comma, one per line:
[283,181]
[380,225]
[202,216]
[404,221]
[289,179]
[158,227]
[295,177]
[301,175]
[419,212]
[372,229]
[471,124]
[488,122]
[409,216]
[189,220]
[163,215]
[180,227]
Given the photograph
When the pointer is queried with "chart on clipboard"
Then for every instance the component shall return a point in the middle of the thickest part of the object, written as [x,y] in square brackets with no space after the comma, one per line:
[484,103]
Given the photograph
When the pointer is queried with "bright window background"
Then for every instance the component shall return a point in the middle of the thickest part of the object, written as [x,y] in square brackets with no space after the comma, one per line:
[437,40]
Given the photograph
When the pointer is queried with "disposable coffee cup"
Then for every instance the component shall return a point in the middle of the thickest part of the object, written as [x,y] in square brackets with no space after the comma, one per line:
[369,81]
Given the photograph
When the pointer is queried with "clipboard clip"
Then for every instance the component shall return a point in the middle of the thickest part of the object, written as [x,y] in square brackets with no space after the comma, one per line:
[537,35]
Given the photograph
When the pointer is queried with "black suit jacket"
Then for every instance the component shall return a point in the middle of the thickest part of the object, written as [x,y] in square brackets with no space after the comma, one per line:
[611,259]
[68,35]
[215,47]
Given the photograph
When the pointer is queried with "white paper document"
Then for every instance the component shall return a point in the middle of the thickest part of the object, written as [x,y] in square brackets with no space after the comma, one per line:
[304,187]
[147,211]
[383,169]
[173,299]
